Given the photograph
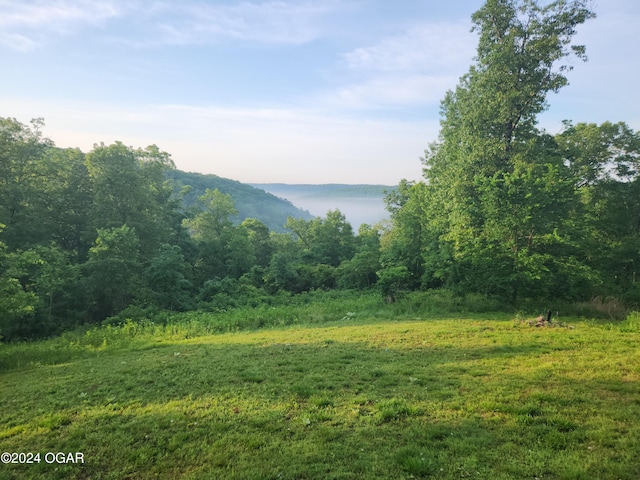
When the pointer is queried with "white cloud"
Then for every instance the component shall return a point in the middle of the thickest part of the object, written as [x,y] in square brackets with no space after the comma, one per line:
[414,68]
[436,48]
[395,91]
[26,24]
[30,23]
[16,41]
[196,23]
[269,22]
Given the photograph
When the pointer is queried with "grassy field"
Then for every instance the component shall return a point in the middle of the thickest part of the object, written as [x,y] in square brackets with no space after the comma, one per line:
[348,396]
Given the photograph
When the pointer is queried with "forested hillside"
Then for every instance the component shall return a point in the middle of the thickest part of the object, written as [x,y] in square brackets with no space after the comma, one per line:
[360,203]
[326,190]
[250,202]
[505,210]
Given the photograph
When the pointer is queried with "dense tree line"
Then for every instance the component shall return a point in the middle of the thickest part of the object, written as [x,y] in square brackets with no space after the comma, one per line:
[505,209]
[87,236]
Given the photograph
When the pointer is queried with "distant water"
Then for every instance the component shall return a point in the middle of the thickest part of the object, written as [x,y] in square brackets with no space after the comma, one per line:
[357,211]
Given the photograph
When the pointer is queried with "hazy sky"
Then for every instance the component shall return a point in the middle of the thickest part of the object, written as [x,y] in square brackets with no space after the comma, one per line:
[288,91]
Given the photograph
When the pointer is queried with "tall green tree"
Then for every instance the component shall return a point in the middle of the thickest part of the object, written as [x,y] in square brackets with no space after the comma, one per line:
[17,305]
[282,272]
[405,244]
[498,190]
[328,240]
[224,250]
[167,277]
[600,153]
[21,150]
[214,218]
[64,205]
[260,240]
[48,272]
[361,271]
[113,271]
[605,163]
[129,188]
[323,244]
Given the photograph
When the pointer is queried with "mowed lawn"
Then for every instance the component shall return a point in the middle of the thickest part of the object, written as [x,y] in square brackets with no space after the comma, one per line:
[483,398]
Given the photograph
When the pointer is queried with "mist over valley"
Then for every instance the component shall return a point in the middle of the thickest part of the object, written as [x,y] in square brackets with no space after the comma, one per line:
[359,203]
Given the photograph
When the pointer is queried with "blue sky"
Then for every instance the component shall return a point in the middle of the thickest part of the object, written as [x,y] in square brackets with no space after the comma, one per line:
[278,91]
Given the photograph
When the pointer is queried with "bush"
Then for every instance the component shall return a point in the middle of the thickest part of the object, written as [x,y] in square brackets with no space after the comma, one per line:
[133,313]
[631,323]
[393,281]
[443,301]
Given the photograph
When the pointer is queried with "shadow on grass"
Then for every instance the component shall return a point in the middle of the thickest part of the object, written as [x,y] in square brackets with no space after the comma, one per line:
[194,439]
[83,345]
[328,409]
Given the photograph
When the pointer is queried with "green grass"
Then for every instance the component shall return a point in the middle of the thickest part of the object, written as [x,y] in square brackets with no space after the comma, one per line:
[330,396]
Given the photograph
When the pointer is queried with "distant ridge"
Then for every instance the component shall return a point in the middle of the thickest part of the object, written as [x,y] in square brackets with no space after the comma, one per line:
[325,190]
[360,203]
[251,202]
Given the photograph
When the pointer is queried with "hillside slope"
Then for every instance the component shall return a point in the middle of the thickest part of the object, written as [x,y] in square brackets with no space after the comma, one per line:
[250,202]
[360,203]
[325,190]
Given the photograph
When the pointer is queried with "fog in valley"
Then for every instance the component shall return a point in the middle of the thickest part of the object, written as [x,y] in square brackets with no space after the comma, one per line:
[367,208]
[356,210]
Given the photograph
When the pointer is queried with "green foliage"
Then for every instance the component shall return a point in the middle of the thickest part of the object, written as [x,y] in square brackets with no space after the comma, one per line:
[405,243]
[605,163]
[21,150]
[214,218]
[259,239]
[599,153]
[224,250]
[166,276]
[281,275]
[361,270]
[221,295]
[521,47]
[393,281]
[17,306]
[319,256]
[328,240]
[498,213]
[129,188]
[49,273]
[65,202]
[113,270]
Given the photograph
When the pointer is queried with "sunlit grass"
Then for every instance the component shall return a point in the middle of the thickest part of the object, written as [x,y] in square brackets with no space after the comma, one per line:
[349,399]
